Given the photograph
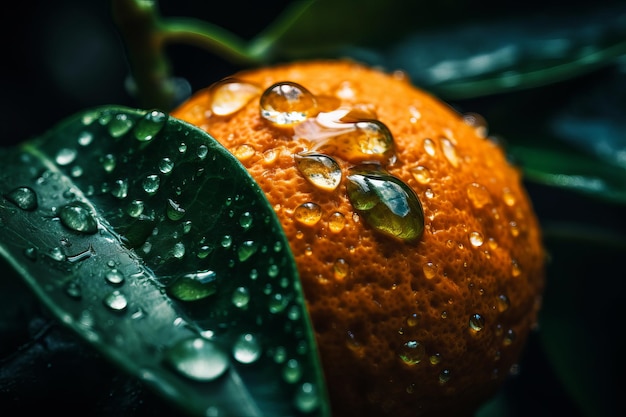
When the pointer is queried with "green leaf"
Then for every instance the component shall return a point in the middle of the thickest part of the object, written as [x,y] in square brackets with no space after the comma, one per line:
[146,237]
[566,169]
[508,53]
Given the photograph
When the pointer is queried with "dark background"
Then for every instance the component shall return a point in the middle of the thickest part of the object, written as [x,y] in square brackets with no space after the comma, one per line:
[64,56]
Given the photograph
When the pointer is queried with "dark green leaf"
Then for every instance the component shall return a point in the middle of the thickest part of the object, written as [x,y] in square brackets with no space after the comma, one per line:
[570,170]
[146,237]
[483,57]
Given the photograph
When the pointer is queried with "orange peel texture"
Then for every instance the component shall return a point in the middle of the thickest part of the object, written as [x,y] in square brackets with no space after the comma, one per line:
[418,249]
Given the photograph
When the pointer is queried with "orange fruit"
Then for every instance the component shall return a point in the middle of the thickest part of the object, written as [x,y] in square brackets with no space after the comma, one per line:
[418,249]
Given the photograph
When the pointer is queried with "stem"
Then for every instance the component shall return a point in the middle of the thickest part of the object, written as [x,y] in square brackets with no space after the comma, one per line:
[138,22]
[145,35]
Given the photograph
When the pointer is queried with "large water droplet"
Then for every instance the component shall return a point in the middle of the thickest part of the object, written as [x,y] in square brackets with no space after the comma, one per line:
[78,217]
[23,197]
[194,286]
[150,125]
[386,203]
[231,95]
[320,170]
[247,348]
[287,103]
[197,359]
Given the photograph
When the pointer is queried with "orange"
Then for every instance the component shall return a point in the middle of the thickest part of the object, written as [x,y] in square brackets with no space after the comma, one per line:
[418,249]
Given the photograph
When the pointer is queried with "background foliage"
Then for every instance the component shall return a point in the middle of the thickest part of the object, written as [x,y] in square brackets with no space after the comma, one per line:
[567,132]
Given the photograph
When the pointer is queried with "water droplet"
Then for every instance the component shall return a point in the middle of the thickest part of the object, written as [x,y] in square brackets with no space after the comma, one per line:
[56,254]
[336,222]
[478,195]
[429,147]
[292,371]
[386,203]
[85,138]
[412,352]
[244,152]
[23,197]
[202,151]
[65,156]
[166,165]
[349,134]
[230,95]
[247,348]
[277,303]
[478,122]
[120,188]
[76,171]
[135,208]
[241,297]
[308,214]
[78,217]
[194,286]
[198,359]
[503,303]
[476,239]
[320,170]
[246,250]
[476,323]
[116,301]
[174,210]
[151,183]
[204,251]
[119,125]
[516,270]
[245,220]
[341,269]
[287,103]
[421,174]
[412,320]
[31,253]
[430,270]
[444,376]
[509,337]
[150,125]
[178,251]
[114,277]
[226,241]
[108,162]
[73,289]
[449,151]
[307,398]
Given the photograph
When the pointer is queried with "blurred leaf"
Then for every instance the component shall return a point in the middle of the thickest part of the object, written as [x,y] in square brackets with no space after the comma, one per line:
[582,310]
[150,240]
[593,119]
[505,53]
[562,168]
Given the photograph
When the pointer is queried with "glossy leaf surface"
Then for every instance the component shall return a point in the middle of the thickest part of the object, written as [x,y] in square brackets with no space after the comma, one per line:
[148,239]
